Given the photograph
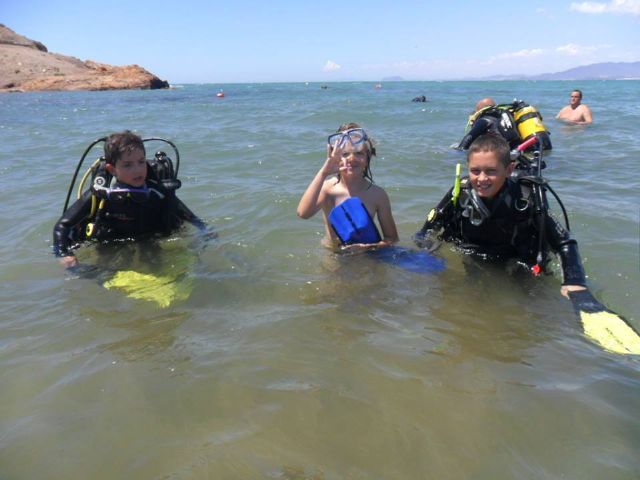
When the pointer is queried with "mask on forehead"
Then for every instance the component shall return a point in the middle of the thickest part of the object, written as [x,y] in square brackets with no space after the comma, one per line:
[353,136]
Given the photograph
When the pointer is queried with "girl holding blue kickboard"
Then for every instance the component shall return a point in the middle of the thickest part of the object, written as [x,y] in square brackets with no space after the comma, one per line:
[344,190]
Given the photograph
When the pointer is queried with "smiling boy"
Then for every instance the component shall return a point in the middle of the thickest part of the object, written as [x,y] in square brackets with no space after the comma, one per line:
[495,216]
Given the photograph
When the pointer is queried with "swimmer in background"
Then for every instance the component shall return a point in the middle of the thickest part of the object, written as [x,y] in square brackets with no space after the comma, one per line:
[576,112]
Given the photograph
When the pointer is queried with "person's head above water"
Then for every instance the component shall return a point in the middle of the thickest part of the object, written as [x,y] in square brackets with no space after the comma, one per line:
[354,135]
[485,102]
[353,140]
[121,143]
[489,165]
[491,143]
[575,97]
[124,154]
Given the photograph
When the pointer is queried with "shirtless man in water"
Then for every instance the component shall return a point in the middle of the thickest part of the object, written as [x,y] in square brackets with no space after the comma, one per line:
[576,112]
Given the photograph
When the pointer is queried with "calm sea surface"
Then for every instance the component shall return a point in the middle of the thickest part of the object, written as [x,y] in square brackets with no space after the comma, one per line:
[285,361]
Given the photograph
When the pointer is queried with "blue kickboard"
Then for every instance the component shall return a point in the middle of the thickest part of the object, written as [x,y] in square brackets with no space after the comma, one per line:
[417,261]
[352,223]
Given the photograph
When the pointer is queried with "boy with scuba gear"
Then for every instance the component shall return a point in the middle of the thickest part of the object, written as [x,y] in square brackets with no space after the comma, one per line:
[345,177]
[496,216]
[125,201]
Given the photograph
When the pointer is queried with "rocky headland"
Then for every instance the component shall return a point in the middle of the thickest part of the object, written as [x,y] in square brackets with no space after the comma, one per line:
[27,65]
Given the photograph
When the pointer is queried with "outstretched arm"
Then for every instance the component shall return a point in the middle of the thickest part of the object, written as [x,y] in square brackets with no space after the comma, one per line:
[63,230]
[186,214]
[573,278]
[435,221]
[480,126]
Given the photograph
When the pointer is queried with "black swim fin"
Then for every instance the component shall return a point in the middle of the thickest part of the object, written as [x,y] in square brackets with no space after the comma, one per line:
[604,326]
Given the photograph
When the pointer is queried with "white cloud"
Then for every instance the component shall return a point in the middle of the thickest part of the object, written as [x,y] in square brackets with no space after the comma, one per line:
[588,7]
[331,66]
[525,53]
[569,49]
[572,49]
[622,7]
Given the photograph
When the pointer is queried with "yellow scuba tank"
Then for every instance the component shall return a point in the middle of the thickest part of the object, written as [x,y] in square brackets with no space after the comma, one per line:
[528,120]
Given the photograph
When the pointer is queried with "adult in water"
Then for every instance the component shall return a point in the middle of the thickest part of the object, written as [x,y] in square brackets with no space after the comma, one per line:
[576,112]
[514,122]
[496,216]
[344,175]
[485,102]
[136,206]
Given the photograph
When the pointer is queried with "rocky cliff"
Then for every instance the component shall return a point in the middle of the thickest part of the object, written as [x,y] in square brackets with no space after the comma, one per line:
[27,65]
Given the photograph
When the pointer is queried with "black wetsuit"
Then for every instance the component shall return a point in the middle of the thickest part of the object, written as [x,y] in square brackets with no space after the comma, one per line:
[497,122]
[160,213]
[512,230]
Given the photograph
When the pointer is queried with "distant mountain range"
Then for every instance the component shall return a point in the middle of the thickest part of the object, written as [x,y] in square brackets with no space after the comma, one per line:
[595,71]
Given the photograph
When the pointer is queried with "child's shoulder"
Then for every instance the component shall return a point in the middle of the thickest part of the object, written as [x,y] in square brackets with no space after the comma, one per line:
[377,190]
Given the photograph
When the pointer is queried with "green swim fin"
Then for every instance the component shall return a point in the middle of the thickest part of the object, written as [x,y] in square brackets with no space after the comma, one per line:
[604,326]
[163,290]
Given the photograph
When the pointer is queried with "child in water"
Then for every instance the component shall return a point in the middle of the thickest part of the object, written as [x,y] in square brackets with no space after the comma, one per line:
[493,216]
[136,206]
[346,174]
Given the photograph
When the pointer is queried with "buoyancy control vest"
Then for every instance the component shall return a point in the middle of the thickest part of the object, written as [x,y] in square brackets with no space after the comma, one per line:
[505,227]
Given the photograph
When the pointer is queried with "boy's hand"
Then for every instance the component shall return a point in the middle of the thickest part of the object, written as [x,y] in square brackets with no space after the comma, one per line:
[565,289]
[428,240]
[357,247]
[209,234]
[69,261]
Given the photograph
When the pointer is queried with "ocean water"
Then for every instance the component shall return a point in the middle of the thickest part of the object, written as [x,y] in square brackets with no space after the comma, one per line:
[285,361]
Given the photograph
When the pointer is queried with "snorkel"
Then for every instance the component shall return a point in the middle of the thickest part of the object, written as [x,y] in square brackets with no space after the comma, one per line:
[456,185]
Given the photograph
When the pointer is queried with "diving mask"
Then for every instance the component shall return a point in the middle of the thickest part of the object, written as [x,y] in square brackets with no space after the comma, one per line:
[474,208]
[355,136]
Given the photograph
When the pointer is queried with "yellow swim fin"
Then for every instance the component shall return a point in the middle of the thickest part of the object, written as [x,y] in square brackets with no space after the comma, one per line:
[163,290]
[604,326]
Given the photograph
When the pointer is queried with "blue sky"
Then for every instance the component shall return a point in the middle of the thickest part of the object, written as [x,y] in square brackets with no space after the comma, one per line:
[211,41]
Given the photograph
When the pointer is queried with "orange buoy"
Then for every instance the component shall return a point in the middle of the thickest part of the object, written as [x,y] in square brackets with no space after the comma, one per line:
[219,94]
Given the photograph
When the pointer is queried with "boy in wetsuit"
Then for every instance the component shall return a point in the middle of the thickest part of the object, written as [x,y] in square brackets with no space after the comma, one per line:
[495,217]
[136,206]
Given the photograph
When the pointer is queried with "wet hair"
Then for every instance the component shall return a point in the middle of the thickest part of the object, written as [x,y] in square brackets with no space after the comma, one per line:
[368,147]
[491,143]
[579,92]
[118,144]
